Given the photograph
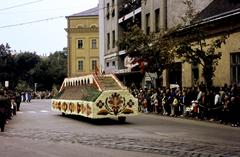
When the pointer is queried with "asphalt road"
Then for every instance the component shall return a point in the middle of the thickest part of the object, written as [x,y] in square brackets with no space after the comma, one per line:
[39,132]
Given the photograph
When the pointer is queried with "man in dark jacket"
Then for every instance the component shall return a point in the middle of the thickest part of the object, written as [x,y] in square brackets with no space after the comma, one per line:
[4,107]
[18,101]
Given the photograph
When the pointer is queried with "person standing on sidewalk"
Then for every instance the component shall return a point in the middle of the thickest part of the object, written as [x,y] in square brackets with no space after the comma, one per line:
[4,106]
[18,100]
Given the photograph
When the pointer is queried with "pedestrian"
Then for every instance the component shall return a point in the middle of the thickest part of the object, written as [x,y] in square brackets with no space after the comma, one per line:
[145,105]
[4,107]
[26,97]
[13,105]
[234,111]
[18,101]
[225,114]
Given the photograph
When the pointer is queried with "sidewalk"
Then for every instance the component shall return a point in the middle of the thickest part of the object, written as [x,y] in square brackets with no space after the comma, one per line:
[191,119]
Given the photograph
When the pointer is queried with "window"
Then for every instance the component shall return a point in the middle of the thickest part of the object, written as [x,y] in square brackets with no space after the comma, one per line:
[93,26]
[107,64]
[113,63]
[108,41]
[113,8]
[113,39]
[235,68]
[148,24]
[80,44]
[94,65]
[94,43]
[80,65]
[108,10]
[157,17]
[195,73]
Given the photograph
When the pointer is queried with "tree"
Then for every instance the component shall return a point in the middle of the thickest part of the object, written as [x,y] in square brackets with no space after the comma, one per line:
[7,67]
[51,71]
[22,86]
[58,67]
[193,46]
[202,52]
[24,69]
[25,62]
[153,48]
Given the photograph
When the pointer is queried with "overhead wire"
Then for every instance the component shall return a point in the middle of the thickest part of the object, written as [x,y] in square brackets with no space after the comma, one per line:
[39,11]
[48,19]
[30,22]
[20,5]
[41,20]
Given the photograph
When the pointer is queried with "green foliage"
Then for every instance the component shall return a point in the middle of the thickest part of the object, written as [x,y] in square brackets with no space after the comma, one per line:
[58,66]
[25,62]
[7,65]
[190,13]
[154,48]
[203,53]
[22,86]
[194,48]
[24,69]
[160,52]
[134,40]
[51,70]
[54,91]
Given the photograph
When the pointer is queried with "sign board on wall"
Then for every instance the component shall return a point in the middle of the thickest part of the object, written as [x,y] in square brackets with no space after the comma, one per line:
[6,84]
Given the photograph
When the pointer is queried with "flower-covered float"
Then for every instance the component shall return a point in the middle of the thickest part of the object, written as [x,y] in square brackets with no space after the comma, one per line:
[95,97]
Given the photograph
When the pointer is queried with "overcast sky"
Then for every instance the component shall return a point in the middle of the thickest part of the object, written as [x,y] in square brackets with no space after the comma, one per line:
[42,37]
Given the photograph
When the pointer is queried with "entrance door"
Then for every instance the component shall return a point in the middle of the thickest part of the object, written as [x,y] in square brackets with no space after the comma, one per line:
[175,73]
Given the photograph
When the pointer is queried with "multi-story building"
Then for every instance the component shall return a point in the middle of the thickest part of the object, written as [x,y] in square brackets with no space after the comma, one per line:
[161,15]
[220,17]
[83,42]
[115,17]
[216,17]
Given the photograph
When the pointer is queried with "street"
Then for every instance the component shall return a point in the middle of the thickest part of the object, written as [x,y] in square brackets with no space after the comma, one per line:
[37,131]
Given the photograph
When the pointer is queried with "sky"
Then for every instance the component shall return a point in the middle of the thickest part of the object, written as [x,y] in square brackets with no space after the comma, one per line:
[43,37]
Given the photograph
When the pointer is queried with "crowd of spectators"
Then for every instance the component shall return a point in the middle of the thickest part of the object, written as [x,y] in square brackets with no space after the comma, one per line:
[10,101]
[213,104]
[9,105]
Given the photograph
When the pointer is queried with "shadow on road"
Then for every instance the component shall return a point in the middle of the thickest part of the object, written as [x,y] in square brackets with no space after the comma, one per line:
[102,121]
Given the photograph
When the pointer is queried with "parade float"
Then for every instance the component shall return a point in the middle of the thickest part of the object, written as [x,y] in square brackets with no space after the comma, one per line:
[95,97]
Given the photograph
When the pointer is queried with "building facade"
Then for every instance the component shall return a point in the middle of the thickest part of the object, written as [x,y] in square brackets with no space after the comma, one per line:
[115,17]
[109,34]
[220,17]
[216,16]
[83,42]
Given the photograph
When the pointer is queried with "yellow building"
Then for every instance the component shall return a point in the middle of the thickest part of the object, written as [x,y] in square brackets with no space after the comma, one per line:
[83,39]
[216,20]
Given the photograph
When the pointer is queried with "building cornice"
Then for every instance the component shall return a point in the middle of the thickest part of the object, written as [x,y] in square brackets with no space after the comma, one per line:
[82,30]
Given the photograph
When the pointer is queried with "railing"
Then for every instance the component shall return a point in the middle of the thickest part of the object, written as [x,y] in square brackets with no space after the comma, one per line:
[88,79]
[77,81]
[95,78]
[118,82]
[128,7]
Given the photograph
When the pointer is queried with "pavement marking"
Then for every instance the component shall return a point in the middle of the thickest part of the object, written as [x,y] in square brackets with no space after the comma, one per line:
[31,111]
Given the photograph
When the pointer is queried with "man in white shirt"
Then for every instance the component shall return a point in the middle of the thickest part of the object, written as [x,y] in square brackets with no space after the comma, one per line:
[128,62]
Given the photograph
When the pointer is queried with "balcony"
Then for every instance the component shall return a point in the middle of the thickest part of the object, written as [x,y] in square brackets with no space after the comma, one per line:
[130,15]
[128,7]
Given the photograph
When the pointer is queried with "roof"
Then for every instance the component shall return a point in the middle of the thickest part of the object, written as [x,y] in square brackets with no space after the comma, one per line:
[219,8]
[85,93]
[90,12]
